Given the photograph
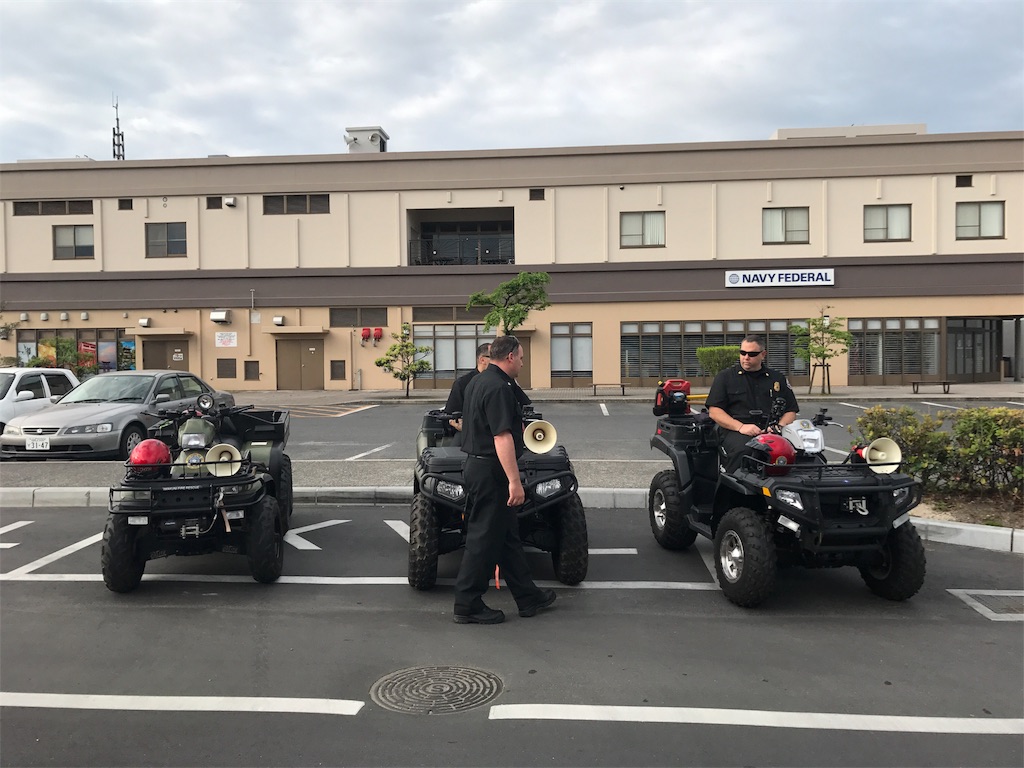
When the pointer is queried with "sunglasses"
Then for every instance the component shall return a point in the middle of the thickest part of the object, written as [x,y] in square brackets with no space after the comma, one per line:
[749,354]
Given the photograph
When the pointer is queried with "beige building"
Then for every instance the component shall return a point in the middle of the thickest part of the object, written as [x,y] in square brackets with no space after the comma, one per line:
[292,272]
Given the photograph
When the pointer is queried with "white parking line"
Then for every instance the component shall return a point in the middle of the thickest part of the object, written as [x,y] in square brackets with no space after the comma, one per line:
[43,561]
[604,409]
[828,721]
[1011,402]
[854,405]
[943,405]
[402,529]
[13,527]
[367,453]
[181,703]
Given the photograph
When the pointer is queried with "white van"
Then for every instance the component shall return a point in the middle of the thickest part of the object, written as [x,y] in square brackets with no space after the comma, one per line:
[24,390]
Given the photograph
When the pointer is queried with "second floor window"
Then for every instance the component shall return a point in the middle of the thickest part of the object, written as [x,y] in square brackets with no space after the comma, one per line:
[166,240]
[978,221]
[886,222]
[73,242]
[282,204]
[642,230]
[785,225]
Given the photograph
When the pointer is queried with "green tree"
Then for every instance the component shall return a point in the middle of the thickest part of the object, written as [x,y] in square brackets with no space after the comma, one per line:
[66,355]
[822,339]
[715,359]
[400,359]
[513,300]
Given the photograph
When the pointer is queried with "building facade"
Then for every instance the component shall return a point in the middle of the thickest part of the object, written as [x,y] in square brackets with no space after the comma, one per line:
[293,272]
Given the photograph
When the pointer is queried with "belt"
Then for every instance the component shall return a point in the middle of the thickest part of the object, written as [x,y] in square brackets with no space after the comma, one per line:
[484,458]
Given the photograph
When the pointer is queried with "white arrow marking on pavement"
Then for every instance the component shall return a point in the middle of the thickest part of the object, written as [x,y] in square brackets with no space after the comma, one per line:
[400,527]
[293,538]
[53,557]
[367,453]
[13,527]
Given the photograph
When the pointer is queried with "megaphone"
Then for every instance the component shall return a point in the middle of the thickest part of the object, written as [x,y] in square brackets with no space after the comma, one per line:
[223,460]
[882,455]
[539,436]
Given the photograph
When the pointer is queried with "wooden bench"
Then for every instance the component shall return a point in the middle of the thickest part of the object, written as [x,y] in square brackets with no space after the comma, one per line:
[945,385]
[622,388]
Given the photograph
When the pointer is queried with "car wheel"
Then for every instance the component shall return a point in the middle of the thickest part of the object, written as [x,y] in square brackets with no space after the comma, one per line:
[133,435]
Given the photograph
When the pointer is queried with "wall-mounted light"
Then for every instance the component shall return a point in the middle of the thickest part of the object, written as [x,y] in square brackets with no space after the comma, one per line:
[278,320]
[24,316]
[230,202]
[64,315]
[378,334]
[144,322]
[124,315]
[44,315]
[85,315]
[364,337]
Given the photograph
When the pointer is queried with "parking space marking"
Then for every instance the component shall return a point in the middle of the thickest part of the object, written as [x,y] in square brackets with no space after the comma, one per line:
[1011,402]
[402,529]
[1000,595]
[181,703]
[706,549]
[52,557]
[943,405]
[854,405]
[367,453]
[604,409]
[293,537]
[13,527]
[826,721]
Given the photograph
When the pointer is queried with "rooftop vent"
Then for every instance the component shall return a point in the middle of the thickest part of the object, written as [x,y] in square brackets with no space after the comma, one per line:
[371,138]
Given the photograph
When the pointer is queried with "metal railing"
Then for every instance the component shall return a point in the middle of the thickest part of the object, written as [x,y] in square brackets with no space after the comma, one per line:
[480,249]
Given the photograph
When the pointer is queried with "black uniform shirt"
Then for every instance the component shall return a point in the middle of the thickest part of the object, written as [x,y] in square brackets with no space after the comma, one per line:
[738,392]
[491,407]
[457,397]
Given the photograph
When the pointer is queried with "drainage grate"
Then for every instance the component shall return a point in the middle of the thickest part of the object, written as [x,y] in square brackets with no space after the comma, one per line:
[436,690]
[994,604]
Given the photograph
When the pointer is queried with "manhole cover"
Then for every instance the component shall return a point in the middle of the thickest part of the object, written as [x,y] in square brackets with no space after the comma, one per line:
[435,690]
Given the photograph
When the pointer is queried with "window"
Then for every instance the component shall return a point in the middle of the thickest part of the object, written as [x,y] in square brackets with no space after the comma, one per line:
[213,203]
[893,346]
[73,242]
[33,383]
[191,387]
[252,370]
[965,180]
[169,386]
[785,225]
[226,367]
[337,370]
[536,194]
[282,204]
[124,204]
[52,207]
[359,317]
[452,350]
[978,221]
[886,222]
[572,353]
[642,230]
[448,314]
[165,240]
[59,383]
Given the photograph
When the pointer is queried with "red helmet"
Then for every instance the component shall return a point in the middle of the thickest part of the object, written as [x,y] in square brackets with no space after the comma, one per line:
[776,451]
[146,457]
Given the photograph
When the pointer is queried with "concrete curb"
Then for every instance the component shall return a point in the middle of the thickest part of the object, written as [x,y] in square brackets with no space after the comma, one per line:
[962,534]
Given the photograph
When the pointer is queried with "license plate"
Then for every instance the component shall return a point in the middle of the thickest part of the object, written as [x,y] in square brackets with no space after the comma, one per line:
[37,444]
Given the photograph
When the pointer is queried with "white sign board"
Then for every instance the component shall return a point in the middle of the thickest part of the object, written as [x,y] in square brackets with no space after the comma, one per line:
[226,339]
[779,278]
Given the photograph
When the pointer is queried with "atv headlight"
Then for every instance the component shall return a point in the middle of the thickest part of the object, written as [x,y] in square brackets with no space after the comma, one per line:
[548,488]
[792,498]
[449,490]
[193,440]
[901,496]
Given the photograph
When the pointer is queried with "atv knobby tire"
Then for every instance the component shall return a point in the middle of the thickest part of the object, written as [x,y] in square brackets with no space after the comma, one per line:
[745,559]
[120,561]
[265,541]
[424,536]
[571,555]
[899,571]
[668,518]
[283,488]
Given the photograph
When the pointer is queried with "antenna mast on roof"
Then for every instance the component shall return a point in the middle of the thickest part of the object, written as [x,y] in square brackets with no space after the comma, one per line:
[118,134]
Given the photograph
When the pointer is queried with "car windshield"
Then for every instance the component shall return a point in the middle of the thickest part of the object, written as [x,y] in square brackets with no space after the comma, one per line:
[6,379]
[110,388]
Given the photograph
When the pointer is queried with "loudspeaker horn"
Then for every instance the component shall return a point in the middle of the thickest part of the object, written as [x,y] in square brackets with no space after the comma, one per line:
[540,436]
[882,455]
[223,460]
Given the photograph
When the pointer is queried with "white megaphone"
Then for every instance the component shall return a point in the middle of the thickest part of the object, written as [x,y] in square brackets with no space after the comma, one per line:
[539,436]
[882,455]
[223,460]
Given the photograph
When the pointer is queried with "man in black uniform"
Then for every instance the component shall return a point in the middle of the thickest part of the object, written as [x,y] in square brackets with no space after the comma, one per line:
[456,397]
[493,439]
[747,386]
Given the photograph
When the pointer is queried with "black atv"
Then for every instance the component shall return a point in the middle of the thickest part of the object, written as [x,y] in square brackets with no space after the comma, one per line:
[765,515]
[552,519]
[220,482]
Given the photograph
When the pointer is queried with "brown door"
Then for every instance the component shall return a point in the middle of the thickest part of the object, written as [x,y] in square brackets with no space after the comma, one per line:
[524,375]
[164,353]
[300,364]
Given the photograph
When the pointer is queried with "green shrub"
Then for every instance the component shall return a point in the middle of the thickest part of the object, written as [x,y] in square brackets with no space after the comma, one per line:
[925,448]
[988,450]
[715,359]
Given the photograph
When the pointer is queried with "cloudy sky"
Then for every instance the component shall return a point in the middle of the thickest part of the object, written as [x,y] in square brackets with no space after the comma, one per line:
[285,77]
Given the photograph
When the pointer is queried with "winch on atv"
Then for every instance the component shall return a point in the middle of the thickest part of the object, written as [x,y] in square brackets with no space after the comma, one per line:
[552,519]
[208,479]
[786,504]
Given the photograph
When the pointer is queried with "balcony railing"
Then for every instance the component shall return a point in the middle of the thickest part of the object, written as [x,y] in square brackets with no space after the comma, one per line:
[481,249]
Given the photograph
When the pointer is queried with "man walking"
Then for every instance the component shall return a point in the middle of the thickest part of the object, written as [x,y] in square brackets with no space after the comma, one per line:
[492,438]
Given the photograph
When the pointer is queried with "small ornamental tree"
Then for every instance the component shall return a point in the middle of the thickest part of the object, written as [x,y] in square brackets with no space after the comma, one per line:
[822,339]
[512,301]
[400,359]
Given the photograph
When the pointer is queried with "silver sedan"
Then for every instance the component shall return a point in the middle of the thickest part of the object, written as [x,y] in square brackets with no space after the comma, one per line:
[105,416]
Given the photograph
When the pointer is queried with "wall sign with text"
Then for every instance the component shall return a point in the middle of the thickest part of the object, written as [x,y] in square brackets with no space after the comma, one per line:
[779,278]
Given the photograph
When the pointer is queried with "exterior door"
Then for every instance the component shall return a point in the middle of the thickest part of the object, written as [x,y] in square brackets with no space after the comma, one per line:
[300,364]
[165,353]
[524,379]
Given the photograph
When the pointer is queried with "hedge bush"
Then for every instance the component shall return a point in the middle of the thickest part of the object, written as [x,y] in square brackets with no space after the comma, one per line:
[983,450]
[715,359]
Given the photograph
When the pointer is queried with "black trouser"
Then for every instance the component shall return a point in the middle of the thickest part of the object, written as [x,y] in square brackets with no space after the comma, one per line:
[734,446]
[492,538]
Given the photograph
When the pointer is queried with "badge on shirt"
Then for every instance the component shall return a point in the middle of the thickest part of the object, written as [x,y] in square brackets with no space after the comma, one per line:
[776,386]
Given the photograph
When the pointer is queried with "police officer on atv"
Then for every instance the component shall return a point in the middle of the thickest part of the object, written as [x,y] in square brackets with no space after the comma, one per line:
[742,396]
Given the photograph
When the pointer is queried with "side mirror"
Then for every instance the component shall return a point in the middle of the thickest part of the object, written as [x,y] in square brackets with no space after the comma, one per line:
[24,395]
[163,397]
